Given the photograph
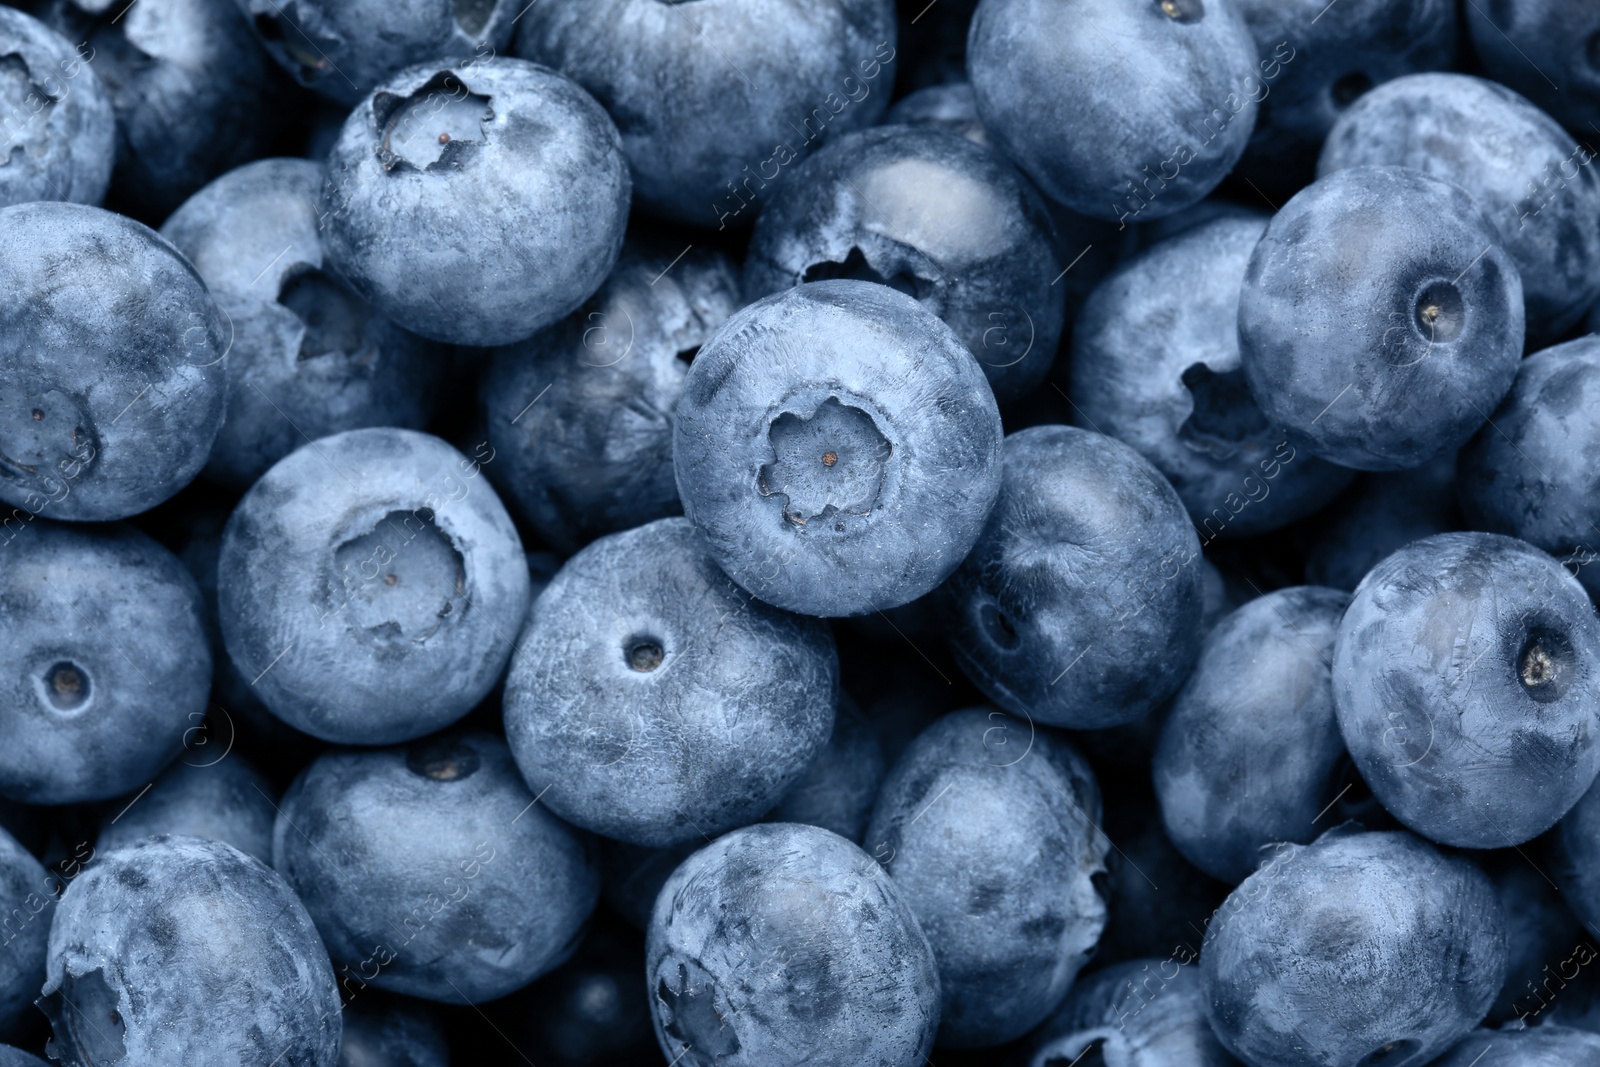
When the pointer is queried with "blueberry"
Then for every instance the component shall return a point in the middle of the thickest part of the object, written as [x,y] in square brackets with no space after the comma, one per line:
[1543,938]
[179,950]
[1316,67]
[1141,1013]
[309,356]
[1080,606]
[653,701]
[1514,160]
[1381,319]
[431,871]
[1122,111]
[838,789]
[343,50]
[370,588]
[990,829]
[782,944]
[1359,950]
[1548,50]
[1543,1046]
[1464,680]
[66,141]
[1251,753]
[1531,471]
[114,386]
[15,1057]
[838,448]
[391,1032]
[580,415]
[1155,364]
[949,106]
[193,92]
[225,800]
[30,896]
[1383,511]
[105,659]
[929,213]
[715,100]
[475,204]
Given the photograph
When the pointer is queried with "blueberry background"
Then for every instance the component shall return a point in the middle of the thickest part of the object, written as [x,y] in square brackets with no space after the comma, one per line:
[700,532]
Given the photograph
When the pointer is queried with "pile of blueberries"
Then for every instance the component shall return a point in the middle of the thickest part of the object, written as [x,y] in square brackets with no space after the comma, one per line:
[761,533]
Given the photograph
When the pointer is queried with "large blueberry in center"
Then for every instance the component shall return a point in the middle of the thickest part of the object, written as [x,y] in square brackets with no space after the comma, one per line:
[827,462]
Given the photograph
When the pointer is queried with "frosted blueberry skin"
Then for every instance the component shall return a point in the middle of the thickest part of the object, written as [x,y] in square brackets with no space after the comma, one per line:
[179,950]
[837,791]
[194,94]
[1140,1013]
[30,896]
[114,386]
[1316,68]
[1081,604]
[205,794]
[105,660]
[1527,174]
[309,357]
[391,1031]
[371,585]
[779,945]
[1546,1045]
[62,138]
[1155,364]
[996,849]
[475,204]
[1251,752]
[708,136]
[1381,318]
[1534,471]
[431,866]
[580,414]
[838,448]
[653,701]
[1382,512]
[950,106]
[931,214]
[1464,681]
[1530,44]
[344,49]
[1116,139]
[15,1057]
[1358,950]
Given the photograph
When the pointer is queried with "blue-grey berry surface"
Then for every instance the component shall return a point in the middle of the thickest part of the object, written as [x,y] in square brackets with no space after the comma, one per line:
[61,139]
[1464,683]
[430,871]
[1080,605]
[580,414]
[838,448]
[106,662]
[652,700]
[937,217]
[370,586]
[309,357]
[996,847]
[475,202]
[784,944]
[181,950]
[114,387]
